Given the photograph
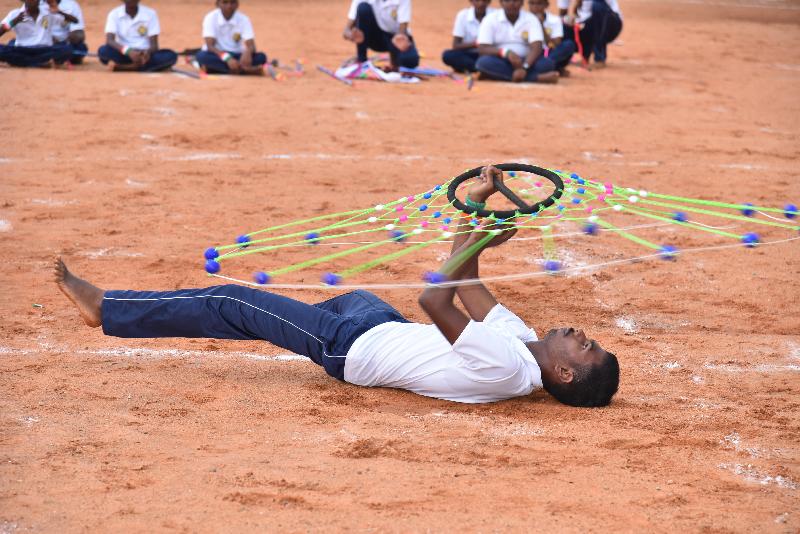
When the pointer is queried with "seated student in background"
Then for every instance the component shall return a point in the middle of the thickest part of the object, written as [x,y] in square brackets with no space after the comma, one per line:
[599,21]
[511,45]
[382,26]
[33,44]
[230,46]
[72,33]
[132,40]
[557,50]
[464,54]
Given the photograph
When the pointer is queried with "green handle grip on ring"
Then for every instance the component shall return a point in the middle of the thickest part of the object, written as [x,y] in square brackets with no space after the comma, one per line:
[523,207]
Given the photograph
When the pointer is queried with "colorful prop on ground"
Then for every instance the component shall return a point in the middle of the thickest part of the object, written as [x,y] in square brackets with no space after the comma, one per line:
[378,68]
[361,248]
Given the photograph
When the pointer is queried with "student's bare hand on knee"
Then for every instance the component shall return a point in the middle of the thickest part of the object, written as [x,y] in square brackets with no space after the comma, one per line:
[518,75]
[401,42]
[144,57]
[246,60]
[355,35]
[233,65]
[515,60]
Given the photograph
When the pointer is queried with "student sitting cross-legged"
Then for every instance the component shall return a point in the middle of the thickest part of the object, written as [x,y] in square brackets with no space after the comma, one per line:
[382,26]
[599,22]
[33,46]
[230,46]
[464,54]
[510,42]
[132,40]
[557,49]
[66,30]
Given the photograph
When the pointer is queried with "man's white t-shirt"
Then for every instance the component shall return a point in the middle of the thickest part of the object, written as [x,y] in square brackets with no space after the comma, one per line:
[134,32]
[552,26]
[585,10]
[488,362]
[61,27]
[30,32]
[390,14]
[467,24]
[497,30]
[232,34]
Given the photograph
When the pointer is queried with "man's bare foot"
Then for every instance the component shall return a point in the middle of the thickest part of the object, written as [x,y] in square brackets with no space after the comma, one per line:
[548,77]
[86,297]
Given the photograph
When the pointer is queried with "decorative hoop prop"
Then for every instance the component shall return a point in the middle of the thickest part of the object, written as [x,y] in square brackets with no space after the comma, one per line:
[523,207]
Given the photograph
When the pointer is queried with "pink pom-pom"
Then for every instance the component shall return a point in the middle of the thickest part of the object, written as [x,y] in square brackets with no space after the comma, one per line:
[403,218]
[609,185]
[601,198]
[411,199]
[399,208]
[589,209]
[444,227]
[424,224]
[538,184]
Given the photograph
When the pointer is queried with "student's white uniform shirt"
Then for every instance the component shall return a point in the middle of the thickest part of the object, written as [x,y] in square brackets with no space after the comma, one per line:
[230,34]
[390,14]
[552,26]
[29,32]
[467,24]
[134,32]
[497,30]
[61,27]
[488,362]
[585,11]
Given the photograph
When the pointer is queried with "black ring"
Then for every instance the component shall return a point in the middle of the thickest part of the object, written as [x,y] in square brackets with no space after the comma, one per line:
[524,208]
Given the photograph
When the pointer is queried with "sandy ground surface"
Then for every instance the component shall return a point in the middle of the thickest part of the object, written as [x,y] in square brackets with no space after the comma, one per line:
[132,176]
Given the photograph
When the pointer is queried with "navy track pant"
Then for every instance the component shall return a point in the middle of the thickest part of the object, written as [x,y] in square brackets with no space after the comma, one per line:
[380,41]
[214,64]
[161,59]
[34,56]
[323,332]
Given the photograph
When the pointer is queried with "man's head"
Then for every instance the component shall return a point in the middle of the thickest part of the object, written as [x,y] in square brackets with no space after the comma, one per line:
[480,5]
[538,7]
[228,7]
[511,7]
[576,370]
[131,4]
[31,5]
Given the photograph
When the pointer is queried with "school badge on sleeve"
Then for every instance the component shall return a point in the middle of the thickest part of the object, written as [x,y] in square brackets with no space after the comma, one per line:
[237,37]
[45,22]
[142,30]
[394,14]
[524,36]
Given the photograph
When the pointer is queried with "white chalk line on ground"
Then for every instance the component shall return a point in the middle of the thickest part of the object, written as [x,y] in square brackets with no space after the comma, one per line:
[146,353]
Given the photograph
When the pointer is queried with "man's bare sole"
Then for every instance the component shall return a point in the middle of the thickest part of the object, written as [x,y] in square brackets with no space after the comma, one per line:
[86,297]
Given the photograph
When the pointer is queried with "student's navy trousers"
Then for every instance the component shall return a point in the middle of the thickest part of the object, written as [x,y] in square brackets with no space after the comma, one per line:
[161,59]
[498,68]
[214,64]
[380,41]
[602,28]
[34,56]
[562,54]
[461,60]
[323,332]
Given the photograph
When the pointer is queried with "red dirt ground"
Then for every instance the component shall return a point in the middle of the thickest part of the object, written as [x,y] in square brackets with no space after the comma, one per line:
[114,172]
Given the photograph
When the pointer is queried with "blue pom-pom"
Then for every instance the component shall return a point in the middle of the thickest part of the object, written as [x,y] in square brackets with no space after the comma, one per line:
[427,195]
[576,201]
[750,240]
[423,207]
[434,278]
[474,222]
[211,254]
[590,229]
[261,277]
[668,252]
[437,187]
[679,216]
[552,266]
[331,279]
[447,220]
[560,207]
[574,176]
[212,266]
[747,211]
[790,210]
[397,235]
[243,240]
[437,214]
[581,190]
[581,181]
[312,238]
[512,174]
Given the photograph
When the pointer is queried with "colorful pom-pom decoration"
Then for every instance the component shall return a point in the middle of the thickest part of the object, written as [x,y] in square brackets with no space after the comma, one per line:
[331,279]
[243,240]
[668,252]
[679,216]
[750,240]
[261,278]
[552,266]
[397,235]
[212,266]
[790,210]
[747,209]
[312,238]
[434,277]
[591,229]
[211,253]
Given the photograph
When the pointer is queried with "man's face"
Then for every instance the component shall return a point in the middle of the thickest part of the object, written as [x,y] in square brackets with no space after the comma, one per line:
[228,7]
[538,7]
[480,5]
[131,4]
[31,4]
[511,7]
[573,348]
